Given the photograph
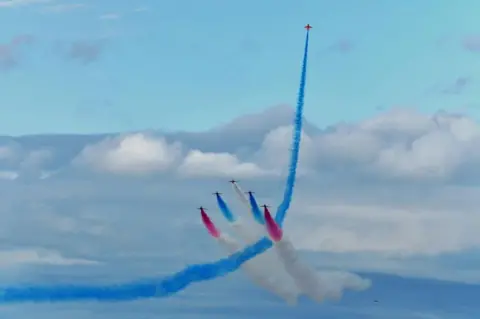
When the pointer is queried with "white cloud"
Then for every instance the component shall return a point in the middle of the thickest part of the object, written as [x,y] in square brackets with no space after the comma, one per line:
[275,149]
[403,144]
[361,206]
[404,121]
[15,161]
[38,256]
[399,144]
[131,154]
[197,163]
[395,231]
[36,159]
[347,143]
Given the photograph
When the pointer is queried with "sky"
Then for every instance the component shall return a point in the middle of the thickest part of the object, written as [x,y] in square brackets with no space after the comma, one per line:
[121,118]
[101,66]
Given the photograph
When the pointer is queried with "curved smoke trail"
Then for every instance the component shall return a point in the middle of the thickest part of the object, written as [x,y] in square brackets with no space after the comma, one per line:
[166,286]
[241,194]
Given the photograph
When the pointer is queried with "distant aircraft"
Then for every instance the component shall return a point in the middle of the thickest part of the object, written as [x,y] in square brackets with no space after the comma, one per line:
[202,209]
[308,27]
[233,181]
[265,206]
[249,192]
[217,193]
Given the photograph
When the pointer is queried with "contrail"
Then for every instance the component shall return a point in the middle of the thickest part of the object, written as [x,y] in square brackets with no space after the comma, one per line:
[250,202]
[166,286]
[306,279]
[240,193]
[253,268]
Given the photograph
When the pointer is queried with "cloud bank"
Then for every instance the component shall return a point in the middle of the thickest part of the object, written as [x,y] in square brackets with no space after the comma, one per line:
[400,187]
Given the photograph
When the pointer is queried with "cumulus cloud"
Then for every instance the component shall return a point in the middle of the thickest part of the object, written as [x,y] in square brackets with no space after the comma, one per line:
[15,161]
[396,189]
[36,158]
[198,163]
[275,149]
[385,229]
[131,154]
[404,144]
[270,160]
[398,144]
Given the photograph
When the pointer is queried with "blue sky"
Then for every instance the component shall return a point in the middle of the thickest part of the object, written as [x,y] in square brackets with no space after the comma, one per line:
[190,65]
[394,192]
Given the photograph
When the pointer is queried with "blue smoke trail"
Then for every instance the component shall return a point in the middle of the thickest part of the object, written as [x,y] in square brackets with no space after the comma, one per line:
[257,214]
[296,139]
[148,288]
[166,286]
[227,213]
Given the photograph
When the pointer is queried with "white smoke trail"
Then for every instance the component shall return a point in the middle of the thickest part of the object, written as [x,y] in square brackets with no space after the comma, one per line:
[250,231]
[241,195]
[246,202]
[317,286]
[248,234]
[283,261]
[269,262]
[253,269]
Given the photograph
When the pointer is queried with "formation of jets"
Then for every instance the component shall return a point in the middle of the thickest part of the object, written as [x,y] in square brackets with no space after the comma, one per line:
[304,278]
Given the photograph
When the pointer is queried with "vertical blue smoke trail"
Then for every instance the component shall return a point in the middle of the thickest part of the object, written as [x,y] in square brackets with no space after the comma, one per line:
[166,286]
[226,212]
[257,214]
[297,135]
